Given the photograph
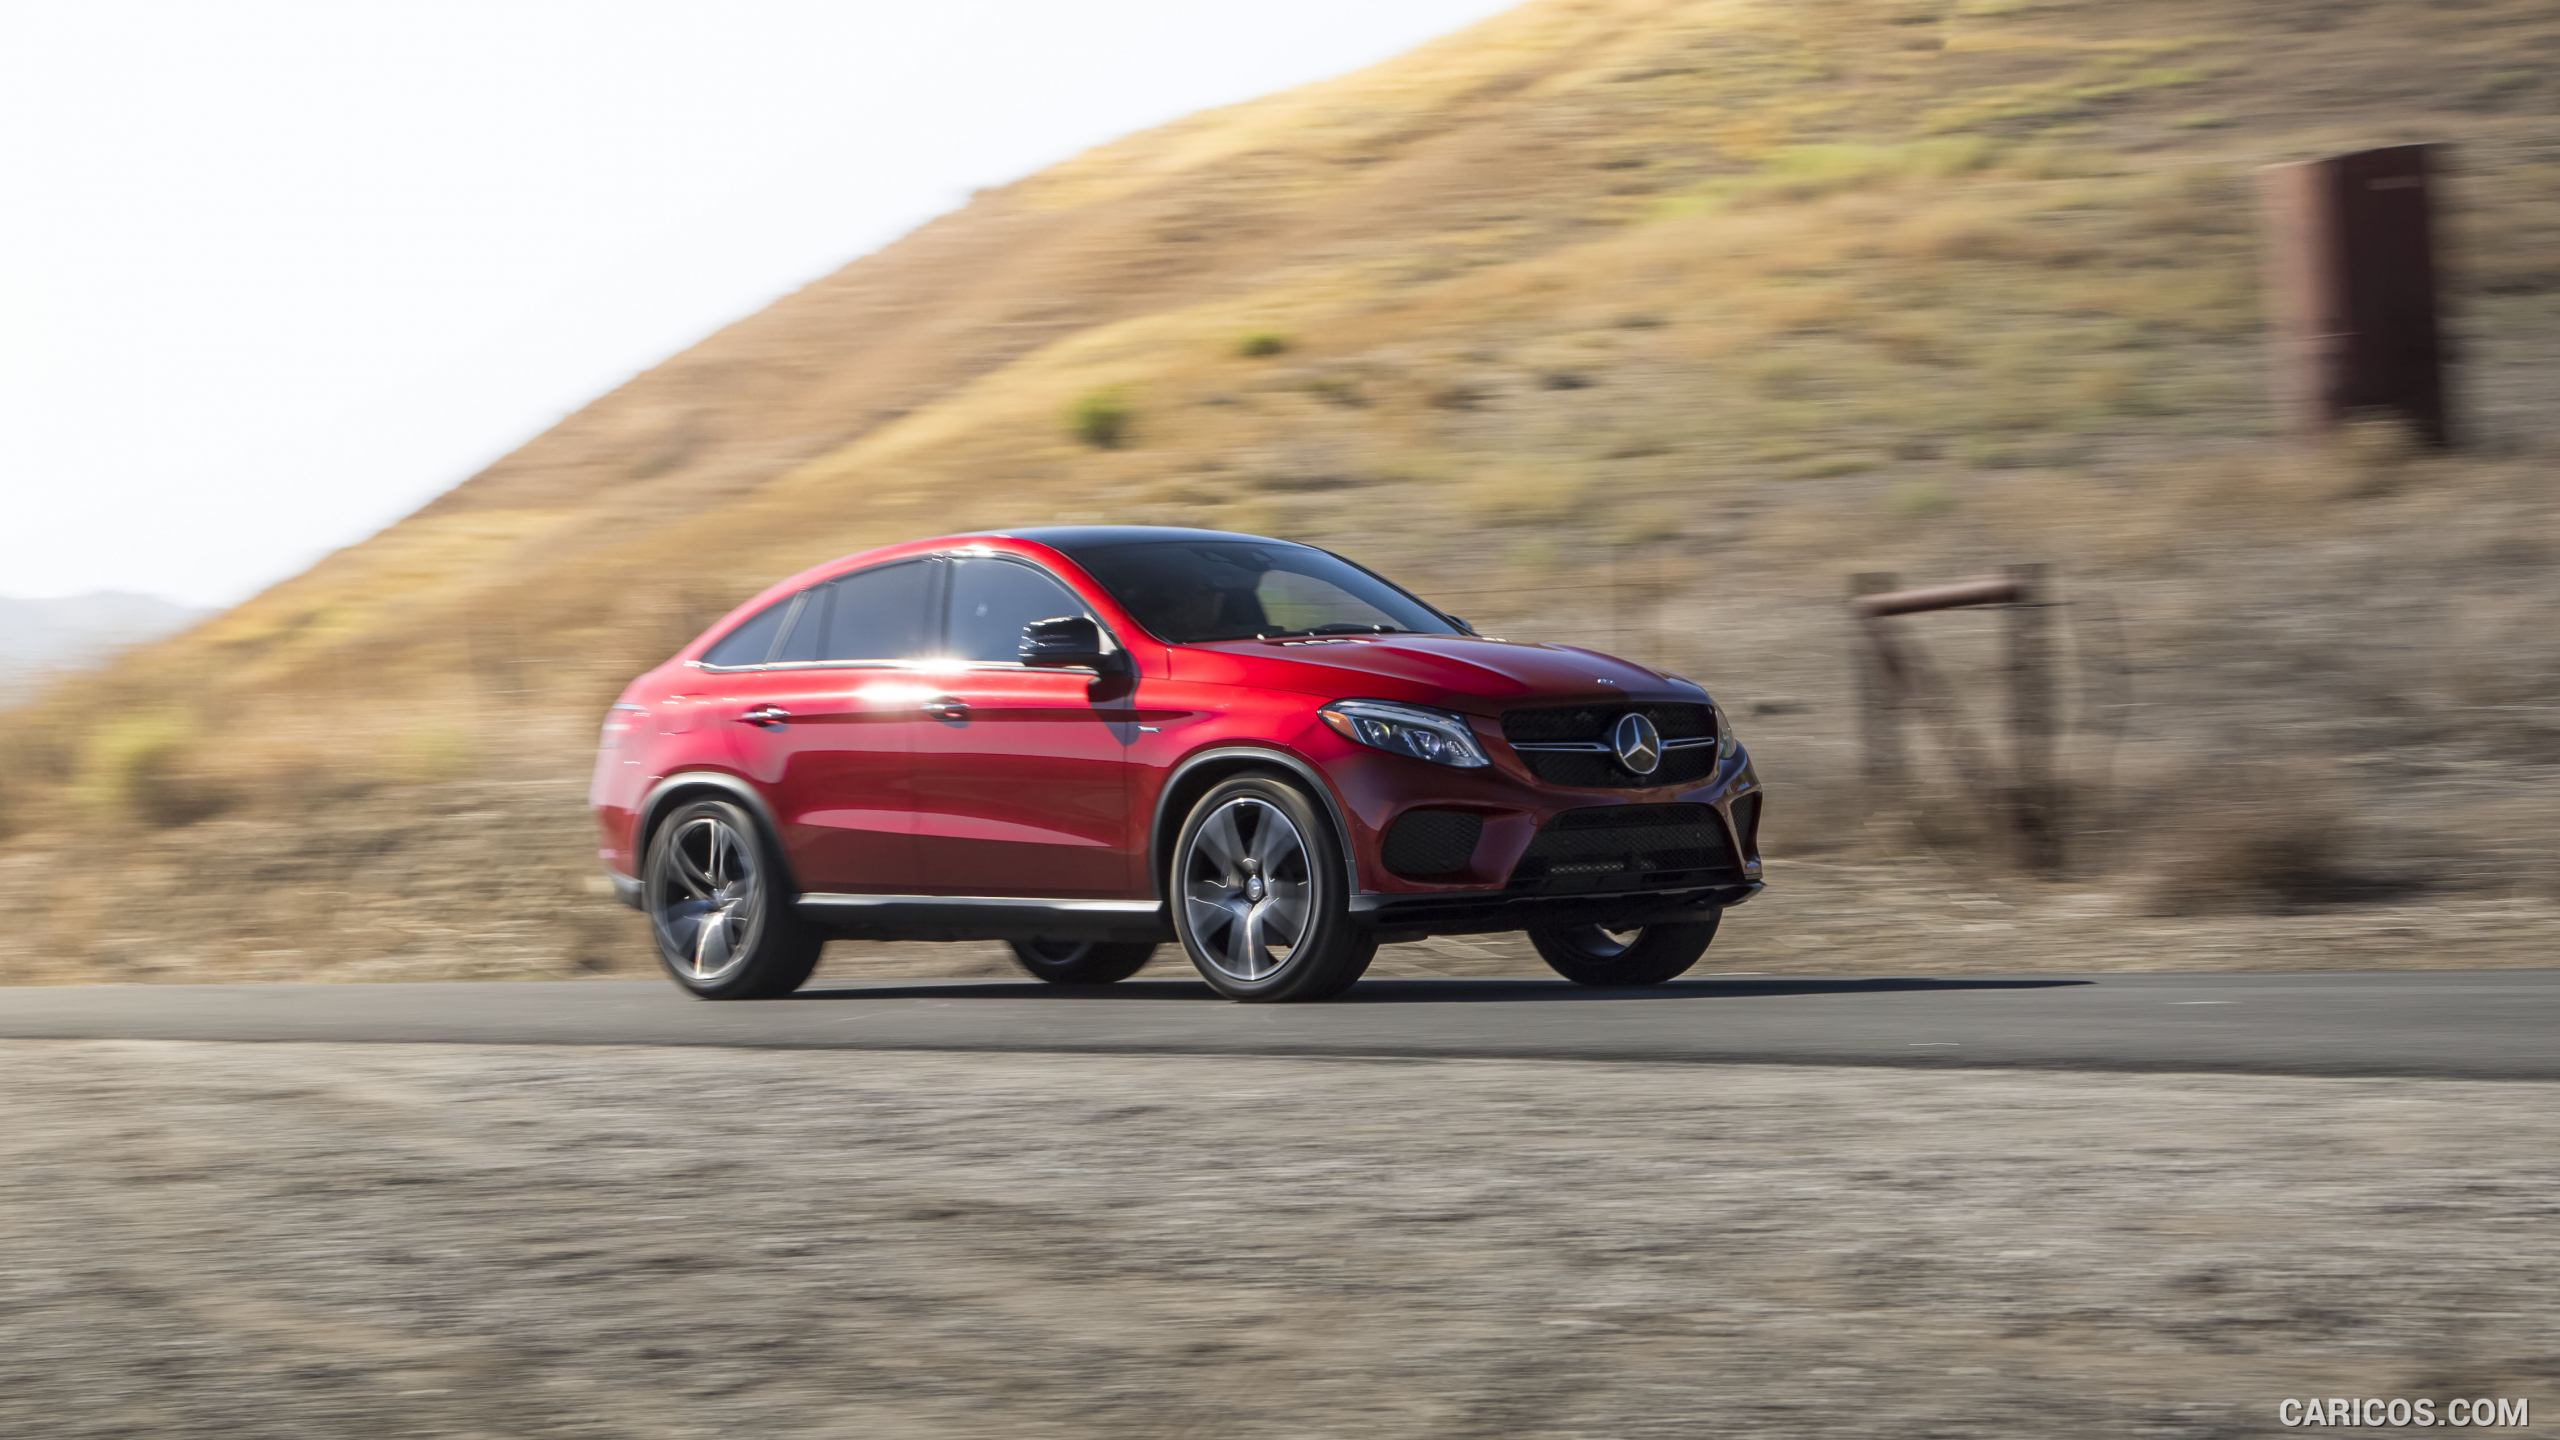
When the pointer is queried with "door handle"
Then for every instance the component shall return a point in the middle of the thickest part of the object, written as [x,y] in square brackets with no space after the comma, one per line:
[765,715]
[946,707]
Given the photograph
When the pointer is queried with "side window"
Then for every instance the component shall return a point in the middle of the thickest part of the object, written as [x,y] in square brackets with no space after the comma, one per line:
[752,641]
[991,600]
[806,639]
[881,614]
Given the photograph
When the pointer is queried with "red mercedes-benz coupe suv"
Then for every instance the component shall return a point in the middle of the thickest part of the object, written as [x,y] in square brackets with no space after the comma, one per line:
[1087,741]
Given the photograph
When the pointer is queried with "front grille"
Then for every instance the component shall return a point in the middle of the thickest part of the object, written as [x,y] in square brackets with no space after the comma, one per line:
[1628,847]
[1425,843]
[1599,769]
[1593,722]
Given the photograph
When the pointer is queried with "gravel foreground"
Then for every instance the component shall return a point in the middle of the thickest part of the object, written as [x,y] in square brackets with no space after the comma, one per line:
[341,1240]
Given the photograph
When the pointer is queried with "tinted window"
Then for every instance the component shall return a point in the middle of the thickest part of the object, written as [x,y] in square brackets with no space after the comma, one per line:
[804,641]
[752,641]
[881,614]
[991,600]
[1187,591]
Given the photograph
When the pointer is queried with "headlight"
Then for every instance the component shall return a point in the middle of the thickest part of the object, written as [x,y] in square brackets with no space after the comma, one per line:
[1725,743]
[1433,735]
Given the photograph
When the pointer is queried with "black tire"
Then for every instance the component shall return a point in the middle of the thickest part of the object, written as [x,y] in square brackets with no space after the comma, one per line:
[1082,962]
[1229,938]
[1593,955]
[719,906]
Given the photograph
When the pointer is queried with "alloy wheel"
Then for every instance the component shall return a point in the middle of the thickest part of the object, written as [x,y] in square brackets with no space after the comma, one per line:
[1600,942]
[711,898]
[1246,889]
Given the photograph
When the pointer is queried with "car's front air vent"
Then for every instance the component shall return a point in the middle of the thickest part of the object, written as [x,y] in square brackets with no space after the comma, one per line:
[1625,847]
[1424,844]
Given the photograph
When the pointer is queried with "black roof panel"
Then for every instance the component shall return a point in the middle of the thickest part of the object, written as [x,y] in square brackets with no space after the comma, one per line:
[1068,539]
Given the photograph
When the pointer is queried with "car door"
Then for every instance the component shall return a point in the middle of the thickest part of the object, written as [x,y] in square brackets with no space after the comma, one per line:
[1019,773]
[827,724]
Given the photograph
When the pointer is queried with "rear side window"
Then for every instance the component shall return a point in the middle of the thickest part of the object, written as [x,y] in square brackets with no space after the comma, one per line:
[991,600]
[752,641]
[882,614]
[806,639]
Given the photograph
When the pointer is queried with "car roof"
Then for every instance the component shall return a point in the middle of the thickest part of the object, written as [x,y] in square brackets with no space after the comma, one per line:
[1068,539]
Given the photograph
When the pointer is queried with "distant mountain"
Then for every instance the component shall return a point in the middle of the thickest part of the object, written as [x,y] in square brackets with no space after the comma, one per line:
[42,638]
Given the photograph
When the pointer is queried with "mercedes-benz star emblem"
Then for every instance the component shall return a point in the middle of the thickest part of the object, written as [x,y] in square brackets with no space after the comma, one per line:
[1638,744]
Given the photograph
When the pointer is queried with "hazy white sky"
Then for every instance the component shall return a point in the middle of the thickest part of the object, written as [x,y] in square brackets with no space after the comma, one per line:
[272,274]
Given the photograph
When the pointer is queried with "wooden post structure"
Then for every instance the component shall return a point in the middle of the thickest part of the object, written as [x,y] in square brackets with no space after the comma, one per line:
[2027,802]
[2031,794]
[1879,690]
[2352,285]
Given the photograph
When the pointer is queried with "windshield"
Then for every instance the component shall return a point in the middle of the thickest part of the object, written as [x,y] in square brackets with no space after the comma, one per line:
[1190,591]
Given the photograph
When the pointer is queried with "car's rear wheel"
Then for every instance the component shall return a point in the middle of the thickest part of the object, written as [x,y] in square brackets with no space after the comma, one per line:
[1644,955]
[1260,895]
[1082,962]
[719,909]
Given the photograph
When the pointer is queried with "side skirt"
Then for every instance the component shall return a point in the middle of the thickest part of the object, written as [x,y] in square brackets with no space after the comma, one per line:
[985,917]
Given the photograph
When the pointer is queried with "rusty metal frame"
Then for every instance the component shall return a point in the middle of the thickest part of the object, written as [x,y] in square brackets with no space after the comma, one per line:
[1895,677]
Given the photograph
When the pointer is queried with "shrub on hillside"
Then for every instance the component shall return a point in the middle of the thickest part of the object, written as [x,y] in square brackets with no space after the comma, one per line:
[1101,418]
[435,752]
[1262,343]
[141,768]
[2268,838]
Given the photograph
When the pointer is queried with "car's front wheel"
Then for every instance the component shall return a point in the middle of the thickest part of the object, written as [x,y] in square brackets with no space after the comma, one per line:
[719,909]
[1081,962]
[1644,955]
[1260,895]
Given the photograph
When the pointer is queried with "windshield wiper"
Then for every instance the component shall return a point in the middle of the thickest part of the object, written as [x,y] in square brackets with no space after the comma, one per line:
[1337,628]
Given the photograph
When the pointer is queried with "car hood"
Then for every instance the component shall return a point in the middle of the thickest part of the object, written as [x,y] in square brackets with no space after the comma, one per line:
[1447,670]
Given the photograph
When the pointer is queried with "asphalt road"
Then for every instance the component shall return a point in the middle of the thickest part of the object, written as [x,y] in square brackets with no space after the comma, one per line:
[2468,1024]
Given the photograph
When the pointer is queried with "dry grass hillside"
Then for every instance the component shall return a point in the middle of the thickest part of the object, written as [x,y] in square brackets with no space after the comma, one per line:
[1637,321]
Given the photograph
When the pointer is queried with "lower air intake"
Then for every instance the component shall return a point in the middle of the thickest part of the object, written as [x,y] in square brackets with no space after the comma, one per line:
[1628,847]
[1422,844]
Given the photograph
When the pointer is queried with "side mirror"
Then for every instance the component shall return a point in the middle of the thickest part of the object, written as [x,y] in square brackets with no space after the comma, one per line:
[1066,642]
[1463,627]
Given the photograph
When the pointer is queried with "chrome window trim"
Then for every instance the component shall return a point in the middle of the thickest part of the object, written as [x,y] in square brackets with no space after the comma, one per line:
[804,665]
[929,665]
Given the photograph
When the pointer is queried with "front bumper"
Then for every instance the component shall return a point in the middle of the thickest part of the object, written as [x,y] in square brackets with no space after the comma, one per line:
[1411,917]
[1510,880]
[1510,809]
